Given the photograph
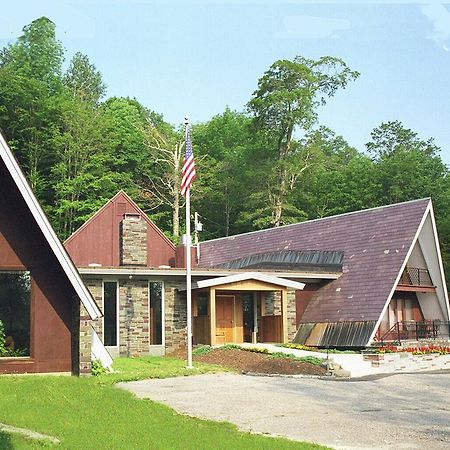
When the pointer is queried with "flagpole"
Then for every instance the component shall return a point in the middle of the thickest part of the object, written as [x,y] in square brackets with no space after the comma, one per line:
[188,272]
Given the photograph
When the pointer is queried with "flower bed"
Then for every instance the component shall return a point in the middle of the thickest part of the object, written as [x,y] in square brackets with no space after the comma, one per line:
[424,350]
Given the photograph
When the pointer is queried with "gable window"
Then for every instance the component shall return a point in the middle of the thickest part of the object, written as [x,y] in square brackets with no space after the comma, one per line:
[15,298]
[110,313]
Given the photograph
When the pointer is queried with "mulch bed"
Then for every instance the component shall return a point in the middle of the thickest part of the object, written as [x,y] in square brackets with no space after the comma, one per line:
[252,362]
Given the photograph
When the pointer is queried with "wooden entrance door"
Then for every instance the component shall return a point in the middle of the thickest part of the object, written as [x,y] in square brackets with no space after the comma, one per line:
[229,319]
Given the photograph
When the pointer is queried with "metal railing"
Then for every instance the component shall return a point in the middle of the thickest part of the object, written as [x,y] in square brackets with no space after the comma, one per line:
[414,331]
[413,276]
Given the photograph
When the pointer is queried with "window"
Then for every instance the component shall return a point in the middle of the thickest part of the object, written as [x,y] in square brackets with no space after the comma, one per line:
[15,296]
[202,304]
[110,313]
[156,306]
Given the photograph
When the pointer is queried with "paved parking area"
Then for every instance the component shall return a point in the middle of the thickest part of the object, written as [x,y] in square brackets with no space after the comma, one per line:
[396,412]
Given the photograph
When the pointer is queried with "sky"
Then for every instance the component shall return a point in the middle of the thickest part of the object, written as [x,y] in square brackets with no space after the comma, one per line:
[197,57]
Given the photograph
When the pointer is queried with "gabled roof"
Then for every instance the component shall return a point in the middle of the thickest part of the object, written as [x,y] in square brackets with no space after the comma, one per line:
[97,240]
[375,243]
[124,195]
[38,215]
[250,276]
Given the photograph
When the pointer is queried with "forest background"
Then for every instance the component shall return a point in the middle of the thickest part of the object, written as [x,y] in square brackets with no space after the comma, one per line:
[269,165]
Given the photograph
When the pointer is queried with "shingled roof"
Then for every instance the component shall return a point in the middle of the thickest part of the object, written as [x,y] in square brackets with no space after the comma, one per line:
[375,243]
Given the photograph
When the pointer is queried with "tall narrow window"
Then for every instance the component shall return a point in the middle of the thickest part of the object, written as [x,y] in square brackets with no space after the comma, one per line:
[110,313]
[156,328]
[15,296]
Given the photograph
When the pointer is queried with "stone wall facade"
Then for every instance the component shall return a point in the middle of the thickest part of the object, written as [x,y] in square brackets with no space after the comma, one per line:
[96,289]
[85,341]
[134,315]
[134,328]
[175,318]
[291,316]
[272,303]
[133,241]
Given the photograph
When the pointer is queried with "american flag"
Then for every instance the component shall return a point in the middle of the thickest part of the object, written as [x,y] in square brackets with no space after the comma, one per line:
[188,171]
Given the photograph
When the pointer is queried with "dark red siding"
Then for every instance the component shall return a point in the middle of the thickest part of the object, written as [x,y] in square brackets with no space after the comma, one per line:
[97,240]
[22,245]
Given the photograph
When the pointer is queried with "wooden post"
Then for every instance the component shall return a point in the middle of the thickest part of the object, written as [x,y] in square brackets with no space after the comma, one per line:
[212,315]
[255,318]
[284,328]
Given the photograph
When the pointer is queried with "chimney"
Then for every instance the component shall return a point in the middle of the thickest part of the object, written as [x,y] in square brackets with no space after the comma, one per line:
[133,240]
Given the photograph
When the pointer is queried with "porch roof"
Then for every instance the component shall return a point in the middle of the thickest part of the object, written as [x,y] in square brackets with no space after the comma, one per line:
[257,276]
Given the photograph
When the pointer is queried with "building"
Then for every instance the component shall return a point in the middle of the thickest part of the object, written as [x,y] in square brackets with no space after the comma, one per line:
[343,281]
[41,293]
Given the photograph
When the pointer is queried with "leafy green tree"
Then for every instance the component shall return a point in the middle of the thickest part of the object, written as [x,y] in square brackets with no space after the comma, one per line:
[223,146]
[286,101]
[408,168]
[30,82]
[83,80]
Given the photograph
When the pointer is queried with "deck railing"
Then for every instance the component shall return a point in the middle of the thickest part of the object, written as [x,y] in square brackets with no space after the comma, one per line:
[414,331]
[413,276]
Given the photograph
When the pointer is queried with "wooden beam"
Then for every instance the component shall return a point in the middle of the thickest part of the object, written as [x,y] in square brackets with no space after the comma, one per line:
[284,327]
[212,315]
[411,288]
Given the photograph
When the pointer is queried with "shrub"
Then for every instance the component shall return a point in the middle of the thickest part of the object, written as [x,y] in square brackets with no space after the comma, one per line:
[231,347]
[202,350]
[97,368]
[312,360]
[3,349]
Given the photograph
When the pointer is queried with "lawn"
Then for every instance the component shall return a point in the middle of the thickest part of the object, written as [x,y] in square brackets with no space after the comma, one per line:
[85,413]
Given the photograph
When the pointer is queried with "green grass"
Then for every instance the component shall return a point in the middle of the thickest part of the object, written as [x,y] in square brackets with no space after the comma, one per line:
[17,442]
[90,413]
[132,369]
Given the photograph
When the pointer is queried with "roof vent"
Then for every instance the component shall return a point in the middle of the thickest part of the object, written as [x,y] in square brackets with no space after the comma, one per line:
[132,216]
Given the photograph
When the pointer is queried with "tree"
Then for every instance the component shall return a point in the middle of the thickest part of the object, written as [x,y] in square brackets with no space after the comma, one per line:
[84,80]
[162,180]
[30,82]
[286,100]
[408,168]
[36,54]
[223,146]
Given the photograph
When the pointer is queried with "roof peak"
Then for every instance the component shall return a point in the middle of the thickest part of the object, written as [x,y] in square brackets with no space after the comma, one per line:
[360,211]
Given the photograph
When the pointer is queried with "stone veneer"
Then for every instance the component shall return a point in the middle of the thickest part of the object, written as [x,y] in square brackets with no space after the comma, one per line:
[133,241]
[291,317]
[272,303]
[85,340]
[175,318]
[134,330]
[96,289]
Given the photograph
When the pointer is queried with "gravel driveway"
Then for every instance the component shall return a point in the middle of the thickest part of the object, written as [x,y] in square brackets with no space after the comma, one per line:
[396,412]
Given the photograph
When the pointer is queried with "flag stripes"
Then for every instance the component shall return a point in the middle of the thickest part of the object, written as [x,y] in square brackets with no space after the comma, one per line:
[188,171]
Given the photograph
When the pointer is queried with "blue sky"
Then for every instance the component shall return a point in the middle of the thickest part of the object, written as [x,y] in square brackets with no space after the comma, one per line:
[197,57]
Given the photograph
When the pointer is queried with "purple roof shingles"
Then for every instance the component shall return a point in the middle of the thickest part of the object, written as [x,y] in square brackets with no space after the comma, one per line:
[374,241]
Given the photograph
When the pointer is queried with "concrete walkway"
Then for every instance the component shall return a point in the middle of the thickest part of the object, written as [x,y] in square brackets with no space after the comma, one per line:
[395,412]
[357,367]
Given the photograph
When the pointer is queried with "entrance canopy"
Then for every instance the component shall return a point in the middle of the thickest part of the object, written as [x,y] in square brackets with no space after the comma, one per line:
[241,281]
